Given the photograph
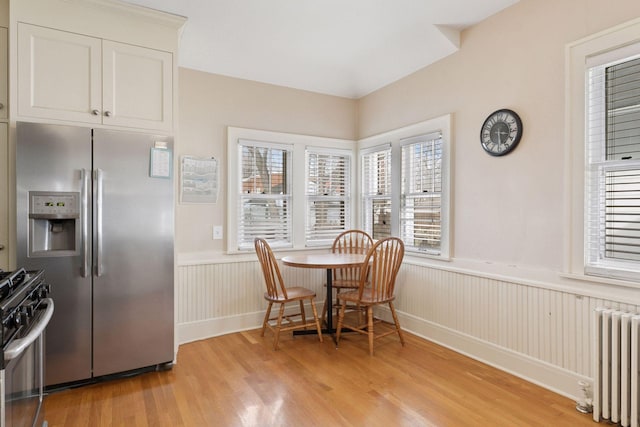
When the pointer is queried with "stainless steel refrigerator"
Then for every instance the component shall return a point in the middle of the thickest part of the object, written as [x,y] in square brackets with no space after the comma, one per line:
[95,210]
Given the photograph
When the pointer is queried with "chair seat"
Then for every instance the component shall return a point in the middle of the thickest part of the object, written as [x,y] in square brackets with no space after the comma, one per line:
[340,283]
[293,293]
[346,284]
[368,297]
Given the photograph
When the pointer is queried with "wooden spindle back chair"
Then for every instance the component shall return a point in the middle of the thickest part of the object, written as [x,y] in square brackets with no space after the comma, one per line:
[278,293]
[376,287]
[347,242]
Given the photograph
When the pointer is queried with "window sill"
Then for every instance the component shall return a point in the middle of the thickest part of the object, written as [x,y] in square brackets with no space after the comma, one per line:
[417,255]
[601,280]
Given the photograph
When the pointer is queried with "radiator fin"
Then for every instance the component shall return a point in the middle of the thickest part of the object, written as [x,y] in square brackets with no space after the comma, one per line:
[616,397]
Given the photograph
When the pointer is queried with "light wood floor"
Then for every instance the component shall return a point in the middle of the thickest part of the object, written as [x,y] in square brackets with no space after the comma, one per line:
[238,380]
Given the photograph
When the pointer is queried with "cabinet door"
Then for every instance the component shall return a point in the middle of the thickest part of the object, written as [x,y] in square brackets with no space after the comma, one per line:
[4,105]
[137,88]
[4,198]
[58,75]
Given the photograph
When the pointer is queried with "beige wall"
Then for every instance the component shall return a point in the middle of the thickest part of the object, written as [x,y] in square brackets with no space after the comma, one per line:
[507,210]
[209,103]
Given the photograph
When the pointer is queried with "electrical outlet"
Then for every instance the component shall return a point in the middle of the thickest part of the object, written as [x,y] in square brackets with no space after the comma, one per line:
[217,232]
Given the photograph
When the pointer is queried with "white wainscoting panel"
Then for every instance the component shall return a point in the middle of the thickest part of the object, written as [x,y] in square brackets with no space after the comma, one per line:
[220,298]
[535,332]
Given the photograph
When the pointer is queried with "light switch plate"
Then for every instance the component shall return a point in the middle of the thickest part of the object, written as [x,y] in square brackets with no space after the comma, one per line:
[217,232]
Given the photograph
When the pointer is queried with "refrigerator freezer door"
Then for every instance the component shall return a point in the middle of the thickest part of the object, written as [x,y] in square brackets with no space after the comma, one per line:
[53,158]
[133,255]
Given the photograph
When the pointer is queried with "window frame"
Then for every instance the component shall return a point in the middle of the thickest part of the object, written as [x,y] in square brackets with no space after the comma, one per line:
[598,166]
[269,199]
[408,181]
[299,144]
[345,198]
[607,46]
[396,138]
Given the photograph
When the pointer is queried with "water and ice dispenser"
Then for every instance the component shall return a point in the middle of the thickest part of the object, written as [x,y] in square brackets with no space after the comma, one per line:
[54,224]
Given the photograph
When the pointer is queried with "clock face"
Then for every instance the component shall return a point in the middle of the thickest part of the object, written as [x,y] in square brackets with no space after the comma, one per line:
[501,132]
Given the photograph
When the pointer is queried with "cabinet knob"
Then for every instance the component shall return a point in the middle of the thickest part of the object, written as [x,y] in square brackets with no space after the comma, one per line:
[1,105]
[107,113]
[1,247]
[95,112]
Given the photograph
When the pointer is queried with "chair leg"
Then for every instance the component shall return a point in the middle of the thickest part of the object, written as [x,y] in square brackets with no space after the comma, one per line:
[337,304]
[277,337]
[359,318]
[304,317]
[343,308]
[324,310]
[315,317]
[395,319]
[266,319]
[370,328]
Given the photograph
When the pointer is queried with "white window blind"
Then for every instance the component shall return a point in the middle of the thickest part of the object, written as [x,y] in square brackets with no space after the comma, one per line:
[612,202]
[421,193]
[328,192]
[264,202]
[376,192]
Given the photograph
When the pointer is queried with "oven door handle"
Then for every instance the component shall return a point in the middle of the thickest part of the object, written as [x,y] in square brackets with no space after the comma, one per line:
[16,347]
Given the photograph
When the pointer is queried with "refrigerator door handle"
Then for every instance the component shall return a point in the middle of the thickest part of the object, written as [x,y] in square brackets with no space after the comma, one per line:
[99,190]
[85,223]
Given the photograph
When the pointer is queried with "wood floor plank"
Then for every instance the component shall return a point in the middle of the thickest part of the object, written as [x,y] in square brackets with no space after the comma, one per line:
[239,380]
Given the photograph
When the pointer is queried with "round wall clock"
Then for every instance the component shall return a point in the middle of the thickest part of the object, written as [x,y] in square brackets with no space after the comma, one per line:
[501,132]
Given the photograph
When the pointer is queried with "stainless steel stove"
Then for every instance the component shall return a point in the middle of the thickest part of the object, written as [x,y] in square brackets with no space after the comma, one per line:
[25,312]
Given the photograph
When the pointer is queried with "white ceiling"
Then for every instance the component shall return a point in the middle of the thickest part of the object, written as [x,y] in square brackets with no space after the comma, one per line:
[346,48]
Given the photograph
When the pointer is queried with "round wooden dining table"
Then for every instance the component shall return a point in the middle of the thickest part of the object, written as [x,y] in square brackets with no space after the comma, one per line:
[328,261]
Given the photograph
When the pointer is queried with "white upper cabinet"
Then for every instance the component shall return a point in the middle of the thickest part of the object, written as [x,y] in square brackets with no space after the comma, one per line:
[4,81]
[76,78]
[137,86]
[59,75]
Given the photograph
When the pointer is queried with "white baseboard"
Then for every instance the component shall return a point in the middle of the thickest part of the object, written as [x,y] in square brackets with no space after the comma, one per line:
[194,331]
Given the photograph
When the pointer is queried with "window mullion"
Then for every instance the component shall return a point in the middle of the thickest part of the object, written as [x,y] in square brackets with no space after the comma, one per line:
[376,189]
